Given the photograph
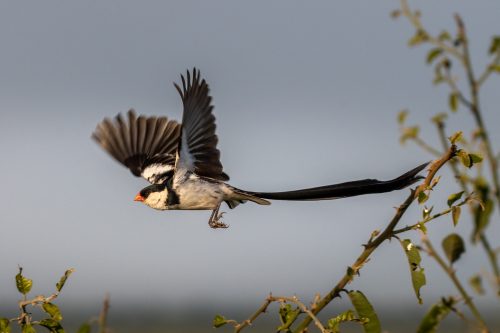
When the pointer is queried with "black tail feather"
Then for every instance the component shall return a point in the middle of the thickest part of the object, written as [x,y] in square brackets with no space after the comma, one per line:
[348,189]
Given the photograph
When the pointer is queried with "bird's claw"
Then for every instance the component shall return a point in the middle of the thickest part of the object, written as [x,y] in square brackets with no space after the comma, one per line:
[216,223]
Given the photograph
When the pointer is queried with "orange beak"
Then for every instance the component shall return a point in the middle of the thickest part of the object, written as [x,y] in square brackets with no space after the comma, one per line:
[139,197]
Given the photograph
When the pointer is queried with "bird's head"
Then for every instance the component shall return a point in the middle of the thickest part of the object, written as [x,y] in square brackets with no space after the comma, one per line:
[154,196]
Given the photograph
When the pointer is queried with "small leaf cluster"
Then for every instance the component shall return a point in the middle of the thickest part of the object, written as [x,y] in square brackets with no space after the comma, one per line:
[53,320]
[25,320]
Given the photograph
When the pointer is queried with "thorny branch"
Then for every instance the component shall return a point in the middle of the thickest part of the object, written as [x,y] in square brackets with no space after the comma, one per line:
[374,243]
[263,308]
[25,317]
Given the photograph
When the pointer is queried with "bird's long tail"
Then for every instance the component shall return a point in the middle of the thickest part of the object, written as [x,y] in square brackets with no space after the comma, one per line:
[348,189]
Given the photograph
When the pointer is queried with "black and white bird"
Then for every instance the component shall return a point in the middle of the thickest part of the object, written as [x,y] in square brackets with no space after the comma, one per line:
[182,162]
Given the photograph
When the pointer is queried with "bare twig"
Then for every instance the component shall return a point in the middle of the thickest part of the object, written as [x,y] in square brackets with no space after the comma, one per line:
[25,316]
[488,70]
[103,316]
[263,308]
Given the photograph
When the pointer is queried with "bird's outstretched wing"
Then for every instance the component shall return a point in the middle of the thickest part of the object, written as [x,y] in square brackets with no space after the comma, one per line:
[145,145]
[197,151]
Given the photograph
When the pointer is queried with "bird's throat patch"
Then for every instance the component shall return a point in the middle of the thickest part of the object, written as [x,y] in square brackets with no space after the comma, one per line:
[173,198]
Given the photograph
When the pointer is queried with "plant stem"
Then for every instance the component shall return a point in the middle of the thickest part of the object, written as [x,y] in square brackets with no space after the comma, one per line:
[372,245]
[415,21]
[270,299]
[427,147]
[492,256]
[429,219]
[475,108]
[451,273]
[249,321]
[103,316]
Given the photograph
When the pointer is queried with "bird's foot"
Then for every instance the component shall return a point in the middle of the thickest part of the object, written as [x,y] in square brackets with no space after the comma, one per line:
[215,222]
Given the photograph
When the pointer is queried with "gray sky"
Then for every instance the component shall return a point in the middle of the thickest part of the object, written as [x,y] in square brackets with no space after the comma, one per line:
[305,93]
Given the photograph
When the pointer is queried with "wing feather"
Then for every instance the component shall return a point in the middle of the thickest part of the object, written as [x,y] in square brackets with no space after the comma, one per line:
[197,149]
[145,145]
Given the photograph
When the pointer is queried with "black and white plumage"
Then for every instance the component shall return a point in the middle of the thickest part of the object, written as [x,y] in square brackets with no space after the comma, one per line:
[183,163]
[145,145]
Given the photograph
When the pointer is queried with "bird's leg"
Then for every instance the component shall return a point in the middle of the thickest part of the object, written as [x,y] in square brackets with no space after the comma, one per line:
[215,219]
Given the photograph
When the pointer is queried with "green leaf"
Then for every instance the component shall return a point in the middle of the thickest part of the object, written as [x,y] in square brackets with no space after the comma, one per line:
[433,54]
[495,45]
[465,158]
[455,137]
[419,37]
[417,272]
[422,197]
[455,214]
[453,246]
[475,158]
[435,315]
[334,323]
[85,328]
[439,118]
[23,284]
[476,283]
[453,102]
[426,212]
[52,325]
[444,35]
[409,133]
[287,315]
[365,310]
[402,115]
[27,328]
[4,325]
[53,311]
[495,68]
[219,321]
[421,226]
[482,218]
[454,197]
[468,160]
[62,281]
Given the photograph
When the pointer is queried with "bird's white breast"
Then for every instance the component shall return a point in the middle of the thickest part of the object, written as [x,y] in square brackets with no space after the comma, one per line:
[196,193]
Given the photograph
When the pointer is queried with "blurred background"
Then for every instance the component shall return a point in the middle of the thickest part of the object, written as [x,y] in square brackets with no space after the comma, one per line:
[305,94]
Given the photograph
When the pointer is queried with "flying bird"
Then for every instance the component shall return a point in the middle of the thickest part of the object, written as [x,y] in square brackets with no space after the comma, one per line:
[182,162]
